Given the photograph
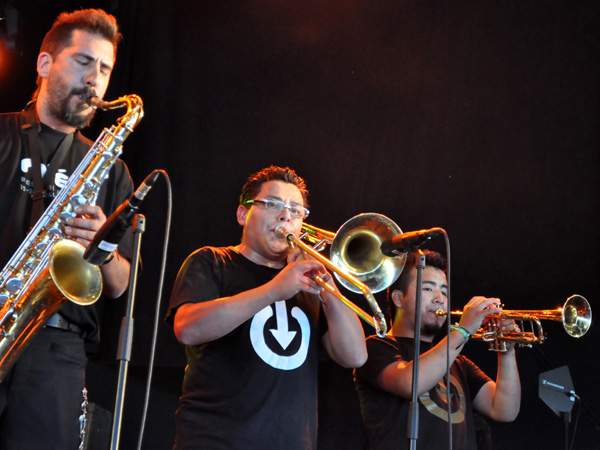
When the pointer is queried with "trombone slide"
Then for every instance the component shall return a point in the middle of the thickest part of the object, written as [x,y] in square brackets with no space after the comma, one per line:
[378,320]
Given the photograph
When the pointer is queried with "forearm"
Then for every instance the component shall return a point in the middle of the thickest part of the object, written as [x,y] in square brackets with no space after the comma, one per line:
[115,276]
[397,378]
[345,339]
[198,323]
[507,393]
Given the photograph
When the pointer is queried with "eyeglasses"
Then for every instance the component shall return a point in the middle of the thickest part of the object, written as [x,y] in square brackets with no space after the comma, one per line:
[296,211]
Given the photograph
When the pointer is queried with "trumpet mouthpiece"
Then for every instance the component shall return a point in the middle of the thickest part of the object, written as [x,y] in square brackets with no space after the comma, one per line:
[440,312]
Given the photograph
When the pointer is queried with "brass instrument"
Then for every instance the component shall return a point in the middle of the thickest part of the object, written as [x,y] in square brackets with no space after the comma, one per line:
[356,259]
[48,268]
[575,315]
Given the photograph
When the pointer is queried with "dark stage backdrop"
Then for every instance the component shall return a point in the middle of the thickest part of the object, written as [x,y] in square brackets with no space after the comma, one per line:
[477,117]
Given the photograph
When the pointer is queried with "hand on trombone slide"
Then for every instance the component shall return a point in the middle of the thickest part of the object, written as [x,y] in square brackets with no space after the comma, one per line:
[320,279]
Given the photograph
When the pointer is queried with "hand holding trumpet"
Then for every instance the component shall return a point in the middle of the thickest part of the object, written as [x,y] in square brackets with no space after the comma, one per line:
[476,311]
[575,315]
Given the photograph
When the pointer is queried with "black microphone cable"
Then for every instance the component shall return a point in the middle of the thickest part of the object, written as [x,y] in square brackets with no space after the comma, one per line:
[157,311]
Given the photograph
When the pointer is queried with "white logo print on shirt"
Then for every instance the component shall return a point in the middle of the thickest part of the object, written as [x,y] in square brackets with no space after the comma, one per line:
[282,334]
[60,178]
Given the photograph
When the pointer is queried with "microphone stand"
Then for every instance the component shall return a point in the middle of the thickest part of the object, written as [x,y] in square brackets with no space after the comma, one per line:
[412,432]
[566,417]
[126,333]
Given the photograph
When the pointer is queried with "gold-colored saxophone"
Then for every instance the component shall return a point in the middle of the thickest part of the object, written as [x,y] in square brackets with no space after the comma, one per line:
[48,268]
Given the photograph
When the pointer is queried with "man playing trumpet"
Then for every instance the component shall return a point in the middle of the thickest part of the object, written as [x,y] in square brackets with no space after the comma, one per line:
[384,383]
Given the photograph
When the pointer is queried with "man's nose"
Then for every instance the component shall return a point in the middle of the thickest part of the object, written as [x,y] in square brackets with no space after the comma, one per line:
[91,78]
[285,214]
[439,297]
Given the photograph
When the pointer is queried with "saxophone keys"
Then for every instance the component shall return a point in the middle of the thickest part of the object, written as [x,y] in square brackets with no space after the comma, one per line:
[14,285]
[55,233]
[77,200]
[66,215]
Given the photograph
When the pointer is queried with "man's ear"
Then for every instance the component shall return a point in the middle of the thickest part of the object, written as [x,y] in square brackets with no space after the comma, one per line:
[44,63]
[397,298]
[242,213]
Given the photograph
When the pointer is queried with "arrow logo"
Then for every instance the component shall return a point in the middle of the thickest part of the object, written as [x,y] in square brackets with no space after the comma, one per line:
[282,333]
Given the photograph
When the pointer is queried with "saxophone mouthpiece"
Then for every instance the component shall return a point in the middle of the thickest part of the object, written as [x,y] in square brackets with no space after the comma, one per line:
[95,102]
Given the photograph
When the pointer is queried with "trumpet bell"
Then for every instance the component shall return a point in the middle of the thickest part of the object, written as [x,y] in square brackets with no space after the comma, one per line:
[356,249]
[576,316]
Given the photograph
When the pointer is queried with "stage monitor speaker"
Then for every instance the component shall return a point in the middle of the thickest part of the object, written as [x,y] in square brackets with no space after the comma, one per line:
[556,391]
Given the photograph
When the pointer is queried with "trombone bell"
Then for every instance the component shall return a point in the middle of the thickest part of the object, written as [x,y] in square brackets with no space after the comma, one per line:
[356,249]
[356,259]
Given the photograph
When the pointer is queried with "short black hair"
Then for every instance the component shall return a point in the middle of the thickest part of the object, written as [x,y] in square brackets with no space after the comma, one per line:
[432,259]
[256,180]
[95,21]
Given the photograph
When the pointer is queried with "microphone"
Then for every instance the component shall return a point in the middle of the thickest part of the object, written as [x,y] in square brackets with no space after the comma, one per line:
[108,237]
[405,242]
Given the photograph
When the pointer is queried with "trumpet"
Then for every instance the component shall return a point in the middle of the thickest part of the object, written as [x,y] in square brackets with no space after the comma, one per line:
[356,259]
[575,315]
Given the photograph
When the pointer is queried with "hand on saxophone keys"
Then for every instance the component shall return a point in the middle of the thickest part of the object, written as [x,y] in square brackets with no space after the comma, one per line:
[84,226]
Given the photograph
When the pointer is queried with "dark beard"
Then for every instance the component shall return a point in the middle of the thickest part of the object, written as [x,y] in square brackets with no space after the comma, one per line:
[433,329]
[58,105]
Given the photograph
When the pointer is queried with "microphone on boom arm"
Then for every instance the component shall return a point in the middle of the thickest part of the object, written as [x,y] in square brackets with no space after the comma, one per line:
[108,237]
[406,242]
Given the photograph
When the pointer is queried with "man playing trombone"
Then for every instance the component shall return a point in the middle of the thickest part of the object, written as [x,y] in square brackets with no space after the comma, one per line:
[252,326]
[384,383]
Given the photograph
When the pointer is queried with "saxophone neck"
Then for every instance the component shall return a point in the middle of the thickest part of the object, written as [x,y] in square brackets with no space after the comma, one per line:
[133,103]
[130,101]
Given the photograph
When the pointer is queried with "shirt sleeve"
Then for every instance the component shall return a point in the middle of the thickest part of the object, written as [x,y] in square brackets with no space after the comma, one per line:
[381,354]
[476,378]
[197,281]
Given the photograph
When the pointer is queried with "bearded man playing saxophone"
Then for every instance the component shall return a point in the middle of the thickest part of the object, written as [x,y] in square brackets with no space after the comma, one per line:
[41,395]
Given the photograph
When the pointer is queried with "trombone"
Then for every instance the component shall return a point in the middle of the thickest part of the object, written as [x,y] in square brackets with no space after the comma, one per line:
[575,315]
[356,259]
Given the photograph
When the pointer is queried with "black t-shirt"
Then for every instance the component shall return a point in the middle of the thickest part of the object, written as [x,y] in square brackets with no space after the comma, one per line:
[16,187]
[255,387]
[386,415]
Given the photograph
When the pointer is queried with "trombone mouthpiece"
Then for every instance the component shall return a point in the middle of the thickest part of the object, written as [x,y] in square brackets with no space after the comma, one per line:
[440,312]
[279,232]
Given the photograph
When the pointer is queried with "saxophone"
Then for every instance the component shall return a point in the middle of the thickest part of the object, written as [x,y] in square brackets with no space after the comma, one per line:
[48,268]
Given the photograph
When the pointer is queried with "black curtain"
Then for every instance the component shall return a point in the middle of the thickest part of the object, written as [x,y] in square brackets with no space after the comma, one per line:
[477,117]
